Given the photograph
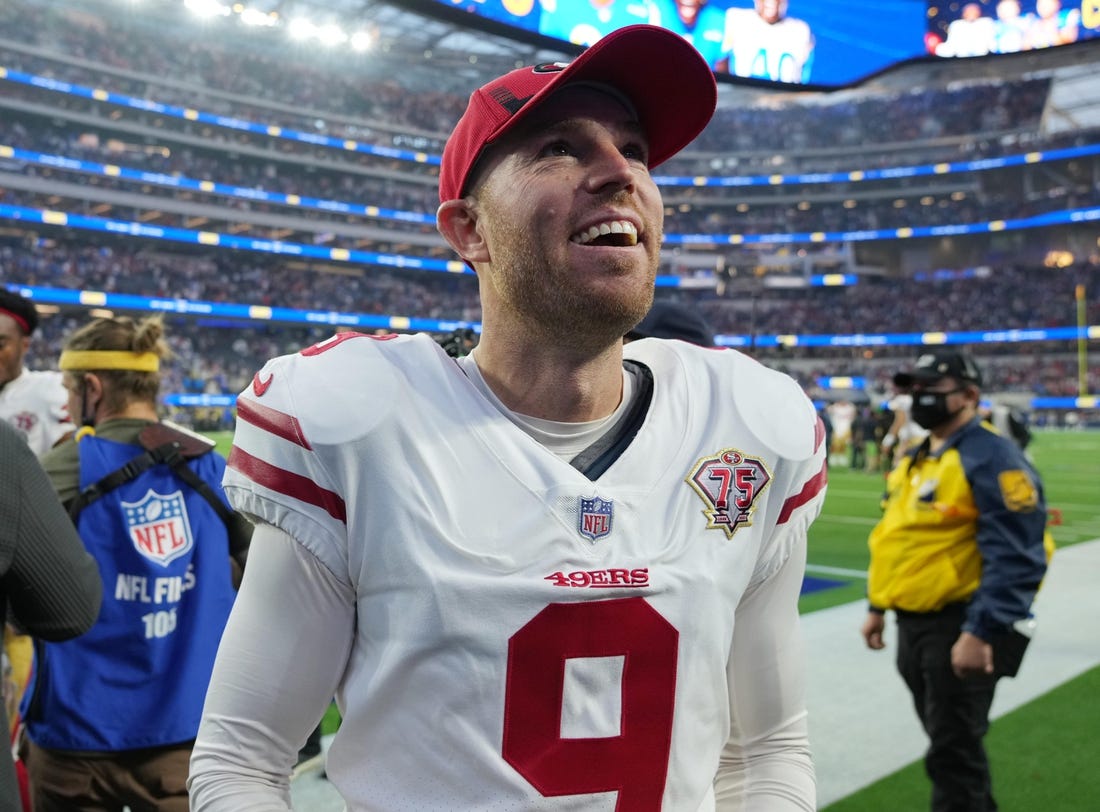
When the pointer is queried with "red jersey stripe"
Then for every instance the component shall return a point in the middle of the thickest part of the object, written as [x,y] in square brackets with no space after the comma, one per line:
[272,421]
[288,483]
[811,489]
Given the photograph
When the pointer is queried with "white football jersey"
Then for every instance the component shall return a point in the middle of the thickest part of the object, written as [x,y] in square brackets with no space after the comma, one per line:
[37,404]
[527,637]
[779,52]
[910,432]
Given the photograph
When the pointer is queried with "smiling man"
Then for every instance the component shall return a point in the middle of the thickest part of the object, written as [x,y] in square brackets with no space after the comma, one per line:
[552,574]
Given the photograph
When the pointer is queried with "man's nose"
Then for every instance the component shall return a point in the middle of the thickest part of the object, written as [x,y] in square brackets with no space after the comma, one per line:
[609,168]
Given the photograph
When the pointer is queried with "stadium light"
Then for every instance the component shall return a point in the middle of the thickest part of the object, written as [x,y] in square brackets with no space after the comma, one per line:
[1058,259]
[331,35]
[362,41]
[253,16]
[207,8]
[300,28]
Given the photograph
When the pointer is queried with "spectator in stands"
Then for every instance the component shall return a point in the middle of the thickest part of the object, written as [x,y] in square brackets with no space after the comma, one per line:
[958,555]
[48,579]
[381,570]
[32,402]
[112,716]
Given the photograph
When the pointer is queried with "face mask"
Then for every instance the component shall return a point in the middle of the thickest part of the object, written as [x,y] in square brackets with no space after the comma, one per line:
[930,408]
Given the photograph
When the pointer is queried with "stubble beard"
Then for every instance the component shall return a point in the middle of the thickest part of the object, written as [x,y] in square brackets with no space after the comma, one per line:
[552,300]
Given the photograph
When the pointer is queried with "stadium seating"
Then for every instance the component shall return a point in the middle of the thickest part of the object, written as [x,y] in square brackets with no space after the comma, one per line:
[358,177]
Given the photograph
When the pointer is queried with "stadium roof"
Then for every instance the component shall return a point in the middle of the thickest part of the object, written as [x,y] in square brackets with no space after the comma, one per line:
[434,46]
[401,30]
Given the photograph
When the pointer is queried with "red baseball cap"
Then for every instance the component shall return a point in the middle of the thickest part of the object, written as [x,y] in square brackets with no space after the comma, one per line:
[668,83]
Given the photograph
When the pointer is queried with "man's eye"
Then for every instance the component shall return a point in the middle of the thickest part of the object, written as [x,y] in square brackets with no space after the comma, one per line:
[556,148]
[635,152]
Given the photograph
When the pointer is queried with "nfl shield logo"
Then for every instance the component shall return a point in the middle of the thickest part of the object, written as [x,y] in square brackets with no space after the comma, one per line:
[595,518]
[158,525]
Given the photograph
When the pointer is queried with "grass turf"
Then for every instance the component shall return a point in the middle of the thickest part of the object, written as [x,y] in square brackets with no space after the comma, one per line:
[1042,755]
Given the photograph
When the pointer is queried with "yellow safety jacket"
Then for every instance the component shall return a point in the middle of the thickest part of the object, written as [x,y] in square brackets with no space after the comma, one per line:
[964,524]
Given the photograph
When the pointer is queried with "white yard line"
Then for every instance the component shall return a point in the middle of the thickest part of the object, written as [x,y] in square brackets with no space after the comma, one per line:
[862,724]
[821,569]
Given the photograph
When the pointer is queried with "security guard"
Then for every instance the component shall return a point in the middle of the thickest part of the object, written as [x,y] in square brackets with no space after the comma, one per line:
[958,555]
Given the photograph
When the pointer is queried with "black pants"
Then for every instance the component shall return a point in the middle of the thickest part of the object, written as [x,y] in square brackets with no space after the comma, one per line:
[954,712]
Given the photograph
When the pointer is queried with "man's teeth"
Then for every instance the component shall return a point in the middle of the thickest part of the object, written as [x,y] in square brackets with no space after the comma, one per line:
[624,227]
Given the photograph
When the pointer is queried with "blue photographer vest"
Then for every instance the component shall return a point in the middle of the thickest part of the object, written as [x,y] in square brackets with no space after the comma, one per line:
[138,678]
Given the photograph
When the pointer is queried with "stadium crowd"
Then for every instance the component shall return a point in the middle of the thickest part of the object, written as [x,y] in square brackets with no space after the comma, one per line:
[221,59]
[212,71]
[1000,299]
[216,356]
[219,70]
[207,67]
[1009,194]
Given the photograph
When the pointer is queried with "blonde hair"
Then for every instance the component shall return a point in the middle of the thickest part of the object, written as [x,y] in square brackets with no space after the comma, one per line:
[121,333]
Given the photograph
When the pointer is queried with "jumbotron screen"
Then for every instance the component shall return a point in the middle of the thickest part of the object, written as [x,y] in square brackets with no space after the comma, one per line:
[817,42]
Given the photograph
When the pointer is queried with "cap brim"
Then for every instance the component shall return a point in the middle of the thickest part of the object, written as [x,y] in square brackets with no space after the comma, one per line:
[909,378]
[669,84]
[927,376]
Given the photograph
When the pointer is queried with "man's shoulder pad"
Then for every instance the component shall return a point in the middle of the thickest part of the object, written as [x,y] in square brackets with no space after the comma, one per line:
[775,409]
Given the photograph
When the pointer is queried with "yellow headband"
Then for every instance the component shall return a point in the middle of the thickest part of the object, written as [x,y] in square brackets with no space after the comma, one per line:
[109,359]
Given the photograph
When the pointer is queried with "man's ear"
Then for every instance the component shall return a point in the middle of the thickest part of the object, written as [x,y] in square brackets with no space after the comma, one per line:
[457,222]
[93,386]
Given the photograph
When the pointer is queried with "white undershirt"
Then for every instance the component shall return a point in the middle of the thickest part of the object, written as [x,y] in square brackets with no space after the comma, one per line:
[565,440]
